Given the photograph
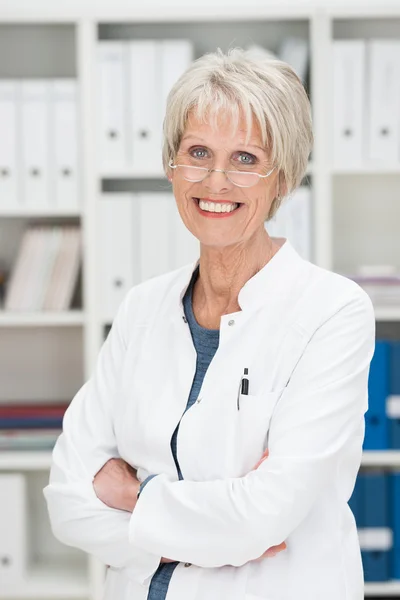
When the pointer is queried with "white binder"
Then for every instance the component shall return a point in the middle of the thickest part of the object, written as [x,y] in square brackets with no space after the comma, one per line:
[13,536]
[300,221]
[175,57]
[9,174]
[113,132]
[295,51]
[185,246]
[384,101]
[145,106]
[64,143]
[35,143]
[348,102]
[156,234]
[294,221]
[117,270]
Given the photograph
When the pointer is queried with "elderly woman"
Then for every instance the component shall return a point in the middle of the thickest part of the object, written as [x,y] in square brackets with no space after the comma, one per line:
[213,451]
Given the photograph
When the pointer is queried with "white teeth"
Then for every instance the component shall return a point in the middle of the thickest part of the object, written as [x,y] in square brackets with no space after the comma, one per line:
[217,207]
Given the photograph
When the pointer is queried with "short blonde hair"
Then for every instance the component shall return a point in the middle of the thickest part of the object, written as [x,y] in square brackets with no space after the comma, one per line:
[265,89]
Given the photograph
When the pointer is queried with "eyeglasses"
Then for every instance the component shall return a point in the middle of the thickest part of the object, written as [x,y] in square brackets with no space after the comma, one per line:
[240,178]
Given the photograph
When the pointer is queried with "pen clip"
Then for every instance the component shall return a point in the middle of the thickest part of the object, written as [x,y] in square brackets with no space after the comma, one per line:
[243,386]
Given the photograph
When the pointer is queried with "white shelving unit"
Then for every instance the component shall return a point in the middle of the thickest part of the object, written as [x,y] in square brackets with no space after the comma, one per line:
[59,39]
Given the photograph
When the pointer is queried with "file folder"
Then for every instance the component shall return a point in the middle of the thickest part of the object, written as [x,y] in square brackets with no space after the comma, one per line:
[376,499]
[113,75]
[395,507]
[118,262]
[35,143]
[9,167]
[356,501]
[144,93]
[176,56]
[185,246]
[376,565]
[294,221]
[395,517]
[376,537]
[156,233]
[349,58]
[384,100]
[376,422]
[393,401]
[64,143]
[13,527]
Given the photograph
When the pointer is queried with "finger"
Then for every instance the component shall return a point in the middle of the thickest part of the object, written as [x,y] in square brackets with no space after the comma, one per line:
[264,456]
[274,550]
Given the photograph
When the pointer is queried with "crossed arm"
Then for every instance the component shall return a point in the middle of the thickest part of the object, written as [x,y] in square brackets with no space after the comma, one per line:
[200,522]
[117,486]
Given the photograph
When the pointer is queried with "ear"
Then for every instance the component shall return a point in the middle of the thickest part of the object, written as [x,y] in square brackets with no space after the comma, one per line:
[169,173]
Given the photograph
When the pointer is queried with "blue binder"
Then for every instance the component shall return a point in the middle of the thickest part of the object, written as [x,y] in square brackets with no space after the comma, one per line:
[356,501]
[394,390]
[376,422]
[376,565]
[376,499]
[376,560]
[395,519]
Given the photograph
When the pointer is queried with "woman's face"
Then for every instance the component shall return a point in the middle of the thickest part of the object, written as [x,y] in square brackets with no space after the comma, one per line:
[221,148]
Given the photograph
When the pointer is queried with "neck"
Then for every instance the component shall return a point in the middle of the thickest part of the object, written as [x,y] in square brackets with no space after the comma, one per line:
[224,271]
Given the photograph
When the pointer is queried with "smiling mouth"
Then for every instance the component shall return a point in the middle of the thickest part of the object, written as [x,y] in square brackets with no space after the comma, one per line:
[217,207]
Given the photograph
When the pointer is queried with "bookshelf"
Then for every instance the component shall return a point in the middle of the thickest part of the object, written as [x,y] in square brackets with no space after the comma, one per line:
[59,40]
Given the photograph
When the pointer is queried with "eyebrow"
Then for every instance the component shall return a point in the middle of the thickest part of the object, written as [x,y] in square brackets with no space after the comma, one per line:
[196,137]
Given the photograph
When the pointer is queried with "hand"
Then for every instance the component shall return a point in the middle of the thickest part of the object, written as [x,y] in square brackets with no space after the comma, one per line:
[274,549]
[116,485]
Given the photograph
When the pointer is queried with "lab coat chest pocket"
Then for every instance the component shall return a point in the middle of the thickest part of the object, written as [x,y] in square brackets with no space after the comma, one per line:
[252,421]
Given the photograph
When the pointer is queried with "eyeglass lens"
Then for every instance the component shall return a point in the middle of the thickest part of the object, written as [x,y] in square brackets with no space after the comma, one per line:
[240,178]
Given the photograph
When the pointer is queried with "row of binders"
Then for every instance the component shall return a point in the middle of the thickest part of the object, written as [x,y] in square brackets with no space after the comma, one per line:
[46,269]
[142,235]
[366,102]
[134,80]
[375,503]
[39,163]
[30,426]
[382,420]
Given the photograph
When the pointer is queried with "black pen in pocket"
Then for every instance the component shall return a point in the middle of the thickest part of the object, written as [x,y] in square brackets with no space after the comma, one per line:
[244,386]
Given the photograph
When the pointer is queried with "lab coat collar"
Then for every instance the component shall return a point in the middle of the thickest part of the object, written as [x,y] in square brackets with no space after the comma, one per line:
[271,279]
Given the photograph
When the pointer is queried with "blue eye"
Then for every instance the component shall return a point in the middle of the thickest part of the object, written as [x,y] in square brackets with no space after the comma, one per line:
[195,152]
[250,158]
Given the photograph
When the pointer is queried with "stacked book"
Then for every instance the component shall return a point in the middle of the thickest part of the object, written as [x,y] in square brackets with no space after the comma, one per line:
[30,426]
[382,284]
[46,269]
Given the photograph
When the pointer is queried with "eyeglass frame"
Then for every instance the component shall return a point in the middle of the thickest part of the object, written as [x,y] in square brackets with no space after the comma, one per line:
[222,171]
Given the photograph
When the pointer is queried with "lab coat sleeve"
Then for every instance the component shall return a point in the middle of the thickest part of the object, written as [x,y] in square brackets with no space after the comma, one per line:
[235,520]
[78,518]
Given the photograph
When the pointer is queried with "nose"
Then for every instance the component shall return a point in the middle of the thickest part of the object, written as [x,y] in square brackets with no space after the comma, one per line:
[217,182]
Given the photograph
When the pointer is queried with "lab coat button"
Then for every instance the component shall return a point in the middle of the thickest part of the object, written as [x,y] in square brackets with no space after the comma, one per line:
[198,400]
[184,319]
[231,322]
[188,564]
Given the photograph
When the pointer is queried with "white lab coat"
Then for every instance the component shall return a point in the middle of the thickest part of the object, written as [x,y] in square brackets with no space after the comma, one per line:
[307,337]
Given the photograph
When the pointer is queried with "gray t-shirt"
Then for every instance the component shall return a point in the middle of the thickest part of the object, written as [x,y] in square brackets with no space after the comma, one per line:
[206,343]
